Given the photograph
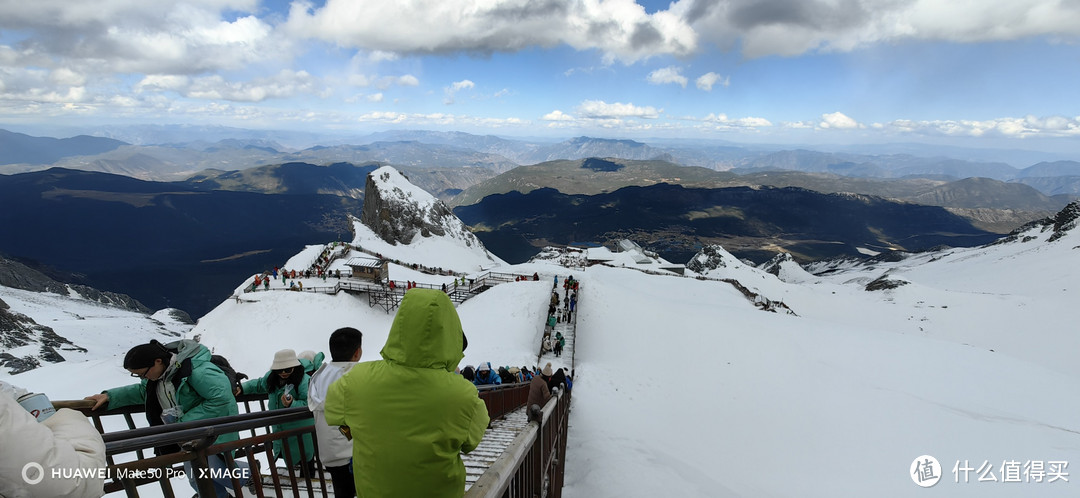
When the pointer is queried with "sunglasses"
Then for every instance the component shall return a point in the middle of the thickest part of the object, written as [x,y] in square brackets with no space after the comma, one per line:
[141,375]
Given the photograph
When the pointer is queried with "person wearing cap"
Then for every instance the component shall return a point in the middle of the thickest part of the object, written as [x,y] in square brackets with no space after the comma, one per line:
[539,393]
[286,385]
[410,416]
[486,376]
[178,383]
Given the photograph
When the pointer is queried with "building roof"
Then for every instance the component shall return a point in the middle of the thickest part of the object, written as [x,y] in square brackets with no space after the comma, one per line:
[364,261]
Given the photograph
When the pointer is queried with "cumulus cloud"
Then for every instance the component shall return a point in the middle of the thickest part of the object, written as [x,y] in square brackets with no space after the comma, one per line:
[286,83]
[439,119]
[598,109]
[670,74]
[837,120]
[793,27]
[160,37]
[708,80]
[722,121]
[382,82]
[456,87]
[462,85]
[557,115]
[621,29]
[1009,127]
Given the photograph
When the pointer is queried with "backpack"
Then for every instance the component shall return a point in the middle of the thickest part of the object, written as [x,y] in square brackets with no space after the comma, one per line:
[234,376]
[506,376]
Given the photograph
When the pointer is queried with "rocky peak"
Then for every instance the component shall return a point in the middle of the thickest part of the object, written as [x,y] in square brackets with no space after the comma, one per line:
[776,264]
[397,211]
[1065,220]
[710,258]
[1060,224]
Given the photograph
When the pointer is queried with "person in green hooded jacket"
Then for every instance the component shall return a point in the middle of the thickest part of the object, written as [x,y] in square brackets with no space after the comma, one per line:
[409,414]
[178,383]
[286,385]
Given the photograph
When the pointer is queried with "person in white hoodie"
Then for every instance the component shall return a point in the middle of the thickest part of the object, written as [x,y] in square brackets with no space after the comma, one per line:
[32,450]
[335,448]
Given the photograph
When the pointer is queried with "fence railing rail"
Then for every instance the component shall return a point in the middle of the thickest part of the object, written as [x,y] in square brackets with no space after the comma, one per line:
[533,465]
[132,463]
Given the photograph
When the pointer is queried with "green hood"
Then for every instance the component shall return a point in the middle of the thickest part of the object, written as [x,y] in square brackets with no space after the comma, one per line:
[426,332]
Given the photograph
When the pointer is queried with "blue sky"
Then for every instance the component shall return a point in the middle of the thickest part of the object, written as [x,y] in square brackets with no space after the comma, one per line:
[988,72]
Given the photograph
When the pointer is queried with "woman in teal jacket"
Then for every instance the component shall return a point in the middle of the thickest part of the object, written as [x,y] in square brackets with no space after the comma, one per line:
[179,384]
[287,386]
[409,414]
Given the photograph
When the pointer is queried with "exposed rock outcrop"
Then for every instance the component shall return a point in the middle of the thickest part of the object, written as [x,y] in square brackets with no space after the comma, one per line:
[397,213]
[886,282]
[710,258]
[19,276]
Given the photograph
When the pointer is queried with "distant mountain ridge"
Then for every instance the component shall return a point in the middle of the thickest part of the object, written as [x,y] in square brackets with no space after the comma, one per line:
[676,221]
[184,151]
[1014,203]
[17,148]
[166,244]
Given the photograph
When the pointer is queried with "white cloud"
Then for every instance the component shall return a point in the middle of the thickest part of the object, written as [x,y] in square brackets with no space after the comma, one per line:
[722,121]
[837,120]
[286,83]
[670,74]
[557,115]
[797,125]
[620,29]
[598,109]
[375,97]
[382,82]
[154,82]
[160,37]
[407,80]
[456,87]
[462,85]
[794,27]
[1009,127]
[708,80]
[67,77]
[440,119]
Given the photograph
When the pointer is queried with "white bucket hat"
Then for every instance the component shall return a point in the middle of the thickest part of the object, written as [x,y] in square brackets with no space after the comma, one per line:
[286,358]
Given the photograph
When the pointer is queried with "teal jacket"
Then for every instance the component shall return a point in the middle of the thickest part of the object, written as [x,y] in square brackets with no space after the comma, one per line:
[310,366]
[410,415]
[260,386]
[202,389]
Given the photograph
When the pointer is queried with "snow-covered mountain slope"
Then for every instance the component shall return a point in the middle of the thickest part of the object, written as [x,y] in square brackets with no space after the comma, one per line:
[44,322]
[685,388]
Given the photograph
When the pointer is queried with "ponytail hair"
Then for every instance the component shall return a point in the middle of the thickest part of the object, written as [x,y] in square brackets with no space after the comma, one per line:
[143,355]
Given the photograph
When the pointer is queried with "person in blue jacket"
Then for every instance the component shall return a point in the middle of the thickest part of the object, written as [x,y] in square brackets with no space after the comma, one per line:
[486,376]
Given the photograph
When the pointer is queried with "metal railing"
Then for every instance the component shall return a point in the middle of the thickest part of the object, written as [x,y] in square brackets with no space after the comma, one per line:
[533,465]
[138,466]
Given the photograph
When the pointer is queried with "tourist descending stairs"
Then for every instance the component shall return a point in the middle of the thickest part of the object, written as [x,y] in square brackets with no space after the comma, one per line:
[567,328]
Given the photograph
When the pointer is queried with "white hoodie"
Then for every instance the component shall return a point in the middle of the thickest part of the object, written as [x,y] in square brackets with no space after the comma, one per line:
[66,441]
[334,449]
